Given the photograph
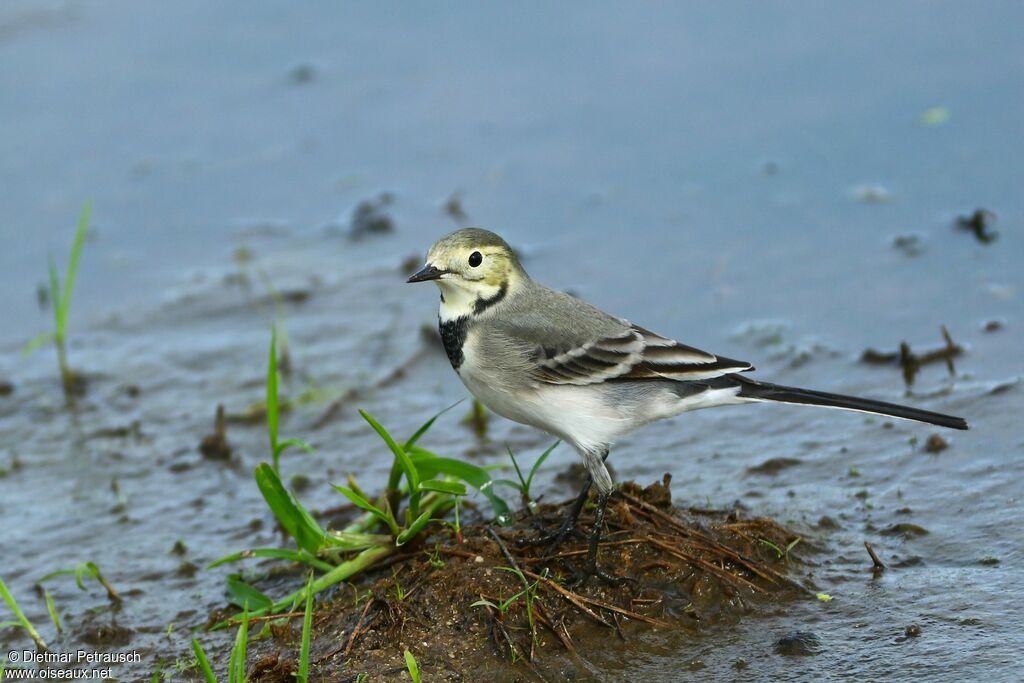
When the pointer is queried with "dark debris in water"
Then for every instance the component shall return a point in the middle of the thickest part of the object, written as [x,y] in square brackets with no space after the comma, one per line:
[773,466]
[980,225]
[690,571]
[910,244]
[904,529]
[798,644]
[302,73]
[215,446]
[101,630]
[453,207]
[371,217]
[910,362]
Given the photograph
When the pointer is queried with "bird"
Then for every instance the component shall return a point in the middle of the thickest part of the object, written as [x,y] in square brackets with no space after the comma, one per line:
[544,358]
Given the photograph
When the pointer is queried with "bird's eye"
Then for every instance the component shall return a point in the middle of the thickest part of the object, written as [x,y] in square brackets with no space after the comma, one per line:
[475,259]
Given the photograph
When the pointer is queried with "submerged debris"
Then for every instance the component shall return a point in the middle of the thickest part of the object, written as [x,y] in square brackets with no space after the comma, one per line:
[911,244]
[911,362]
[798,644]
[980,223]
[371,217]
[453,207]
[773,466]
[215,446]
[302,73]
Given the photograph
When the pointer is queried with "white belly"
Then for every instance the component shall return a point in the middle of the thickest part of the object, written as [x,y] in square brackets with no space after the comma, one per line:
[590,417]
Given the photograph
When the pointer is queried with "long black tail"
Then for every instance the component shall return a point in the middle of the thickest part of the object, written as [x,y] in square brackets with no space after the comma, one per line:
[764,391]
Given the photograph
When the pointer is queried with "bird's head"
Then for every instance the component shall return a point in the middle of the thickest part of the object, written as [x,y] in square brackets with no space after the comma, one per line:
[472,267]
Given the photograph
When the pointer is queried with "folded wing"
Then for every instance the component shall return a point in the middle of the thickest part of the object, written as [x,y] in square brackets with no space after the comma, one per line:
[635,354]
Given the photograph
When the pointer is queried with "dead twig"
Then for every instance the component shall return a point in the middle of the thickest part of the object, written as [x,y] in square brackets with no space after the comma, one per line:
[581,601]
[504,551]
[540,615]
[876,563]
[910,363]
[359,624]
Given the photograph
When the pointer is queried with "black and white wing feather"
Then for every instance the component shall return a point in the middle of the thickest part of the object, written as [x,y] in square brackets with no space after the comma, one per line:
[635,354]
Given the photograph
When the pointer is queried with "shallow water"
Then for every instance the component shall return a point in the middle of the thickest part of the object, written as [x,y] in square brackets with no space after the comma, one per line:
[702,171]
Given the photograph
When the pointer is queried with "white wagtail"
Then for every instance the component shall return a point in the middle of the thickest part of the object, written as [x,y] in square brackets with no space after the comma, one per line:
[547,359]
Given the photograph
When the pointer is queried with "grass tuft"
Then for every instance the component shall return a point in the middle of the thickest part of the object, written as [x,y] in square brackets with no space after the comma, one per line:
[277,447]
[524,484]
[82,571]
[422,488]
[60,299]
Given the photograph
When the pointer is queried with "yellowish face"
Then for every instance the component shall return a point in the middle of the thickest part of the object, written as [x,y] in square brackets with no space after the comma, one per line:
[471,266]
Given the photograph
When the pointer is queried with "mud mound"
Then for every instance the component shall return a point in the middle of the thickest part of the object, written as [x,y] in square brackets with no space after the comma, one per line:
[486,607]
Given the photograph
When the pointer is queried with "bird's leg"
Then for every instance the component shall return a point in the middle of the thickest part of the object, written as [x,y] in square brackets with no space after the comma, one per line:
[554,539]
[591,569]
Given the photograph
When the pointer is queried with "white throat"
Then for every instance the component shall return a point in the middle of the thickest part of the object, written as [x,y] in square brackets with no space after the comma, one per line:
[458,301]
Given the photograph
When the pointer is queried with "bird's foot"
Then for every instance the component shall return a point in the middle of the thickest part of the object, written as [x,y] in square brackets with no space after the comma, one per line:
[592,569]
[553,539]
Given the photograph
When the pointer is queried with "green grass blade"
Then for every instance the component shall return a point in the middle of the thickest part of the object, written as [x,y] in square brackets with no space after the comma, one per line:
[540,461]
[240,648]
[298,523]
[52,609]
[294,443]
[60,572]
[348,540]
[58,322]
[98,575]
[274,553]
[272,407]
[454,488]
[525,489]
[364,504]
[204,662]
[403,459]
[427,425]
[307,624]
[413,667]
[342,572]
[246,596]
[35,342]
[72,272]
[414,528]
[430,466]
[22,619]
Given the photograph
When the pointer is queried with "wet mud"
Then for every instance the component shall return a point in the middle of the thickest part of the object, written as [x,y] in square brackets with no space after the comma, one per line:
[486,605]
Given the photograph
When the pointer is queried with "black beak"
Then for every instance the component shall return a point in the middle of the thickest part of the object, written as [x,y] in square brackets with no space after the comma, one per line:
[429,272]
